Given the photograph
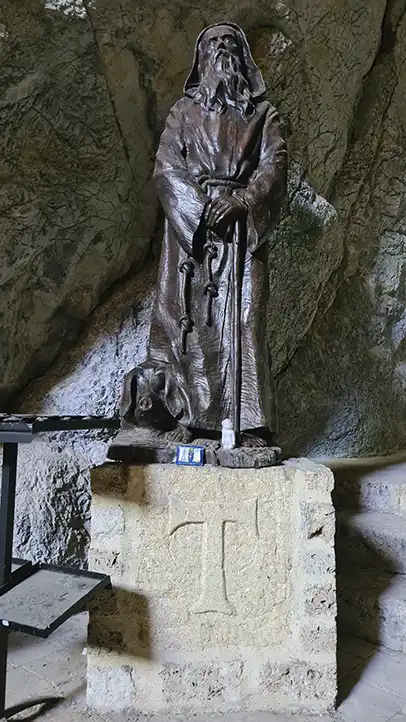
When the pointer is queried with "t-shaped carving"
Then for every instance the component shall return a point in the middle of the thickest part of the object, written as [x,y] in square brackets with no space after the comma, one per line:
[213,516]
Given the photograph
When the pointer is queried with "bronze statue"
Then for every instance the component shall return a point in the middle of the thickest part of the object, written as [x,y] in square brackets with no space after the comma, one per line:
[220,174]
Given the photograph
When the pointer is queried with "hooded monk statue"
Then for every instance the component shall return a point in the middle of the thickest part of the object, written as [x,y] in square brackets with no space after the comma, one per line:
[220,174]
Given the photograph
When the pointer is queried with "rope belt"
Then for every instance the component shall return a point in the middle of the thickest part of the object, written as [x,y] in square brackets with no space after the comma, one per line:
[186,268]
[208,180]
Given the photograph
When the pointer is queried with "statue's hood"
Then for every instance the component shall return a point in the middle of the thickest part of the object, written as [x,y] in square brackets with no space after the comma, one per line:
[251,70]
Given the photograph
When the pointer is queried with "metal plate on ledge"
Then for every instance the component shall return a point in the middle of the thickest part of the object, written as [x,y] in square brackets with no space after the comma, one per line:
[42,602]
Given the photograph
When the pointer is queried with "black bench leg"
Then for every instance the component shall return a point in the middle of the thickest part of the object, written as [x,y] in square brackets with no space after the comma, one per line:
[7,506]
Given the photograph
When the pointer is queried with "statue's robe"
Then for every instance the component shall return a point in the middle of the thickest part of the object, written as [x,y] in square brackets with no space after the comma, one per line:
[249,157]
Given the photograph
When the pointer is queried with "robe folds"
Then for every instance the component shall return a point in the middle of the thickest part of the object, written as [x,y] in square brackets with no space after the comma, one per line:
[203,155]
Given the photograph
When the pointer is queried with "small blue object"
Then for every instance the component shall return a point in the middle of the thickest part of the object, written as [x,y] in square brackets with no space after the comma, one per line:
[190,455]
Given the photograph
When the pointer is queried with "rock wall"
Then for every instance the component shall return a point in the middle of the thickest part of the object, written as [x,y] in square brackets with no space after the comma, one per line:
[86,87]
[77,205]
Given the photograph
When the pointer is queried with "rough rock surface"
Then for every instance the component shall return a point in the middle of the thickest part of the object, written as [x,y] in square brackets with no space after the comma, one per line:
[77,208]
[53,495]
[86,87]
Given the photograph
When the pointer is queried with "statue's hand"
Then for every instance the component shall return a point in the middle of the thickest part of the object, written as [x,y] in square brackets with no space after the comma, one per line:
[223,212]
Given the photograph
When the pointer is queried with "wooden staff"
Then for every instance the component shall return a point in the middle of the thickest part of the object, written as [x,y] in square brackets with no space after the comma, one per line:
[236,370]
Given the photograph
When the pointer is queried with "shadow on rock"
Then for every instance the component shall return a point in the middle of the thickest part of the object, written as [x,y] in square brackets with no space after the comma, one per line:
[368,568]
[109,628]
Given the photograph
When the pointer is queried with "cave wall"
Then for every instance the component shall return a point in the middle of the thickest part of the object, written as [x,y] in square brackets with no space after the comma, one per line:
[85,90]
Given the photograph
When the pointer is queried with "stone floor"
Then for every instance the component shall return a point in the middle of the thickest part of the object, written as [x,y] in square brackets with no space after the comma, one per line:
[372,682]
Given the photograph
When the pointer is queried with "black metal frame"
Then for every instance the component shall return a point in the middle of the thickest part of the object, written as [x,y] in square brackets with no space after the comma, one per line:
[7,506]
[15,430]
[102,581]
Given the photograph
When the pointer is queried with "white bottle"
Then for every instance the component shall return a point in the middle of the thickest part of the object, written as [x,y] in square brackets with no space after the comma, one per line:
[227,435]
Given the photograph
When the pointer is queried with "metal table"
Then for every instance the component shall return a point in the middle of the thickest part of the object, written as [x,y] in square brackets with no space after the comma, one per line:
[36,598]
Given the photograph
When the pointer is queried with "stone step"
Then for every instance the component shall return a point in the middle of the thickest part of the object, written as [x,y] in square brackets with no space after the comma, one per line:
[372,539]
[371,486]
[372,605]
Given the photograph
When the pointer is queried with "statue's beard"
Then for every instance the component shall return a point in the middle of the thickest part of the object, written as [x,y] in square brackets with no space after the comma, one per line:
[223,84]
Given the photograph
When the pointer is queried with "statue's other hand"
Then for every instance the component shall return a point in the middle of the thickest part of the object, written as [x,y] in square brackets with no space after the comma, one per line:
[216,206]
[222,212]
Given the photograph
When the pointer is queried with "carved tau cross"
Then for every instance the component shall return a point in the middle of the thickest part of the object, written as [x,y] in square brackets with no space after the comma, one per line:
[214,516]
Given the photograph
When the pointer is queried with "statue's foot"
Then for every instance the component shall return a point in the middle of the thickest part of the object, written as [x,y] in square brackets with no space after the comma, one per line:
[252,441]
[205,442]
[210,447]
[145,445]
[179,435]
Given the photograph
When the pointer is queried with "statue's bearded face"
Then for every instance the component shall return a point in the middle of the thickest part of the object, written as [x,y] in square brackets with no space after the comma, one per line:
[222,80]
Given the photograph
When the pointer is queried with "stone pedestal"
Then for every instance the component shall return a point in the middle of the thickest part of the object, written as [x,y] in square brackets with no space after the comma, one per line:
[224,589]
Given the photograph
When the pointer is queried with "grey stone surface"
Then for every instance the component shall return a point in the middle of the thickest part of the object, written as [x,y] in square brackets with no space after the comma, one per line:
[372,605]
[371,526]
[86,88]
[372,539]
[53,493]
[318,520]
[379,486]
[298,679]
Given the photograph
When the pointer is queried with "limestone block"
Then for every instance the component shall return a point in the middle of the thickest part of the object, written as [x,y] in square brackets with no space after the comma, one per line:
[216,604]
[318,520]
